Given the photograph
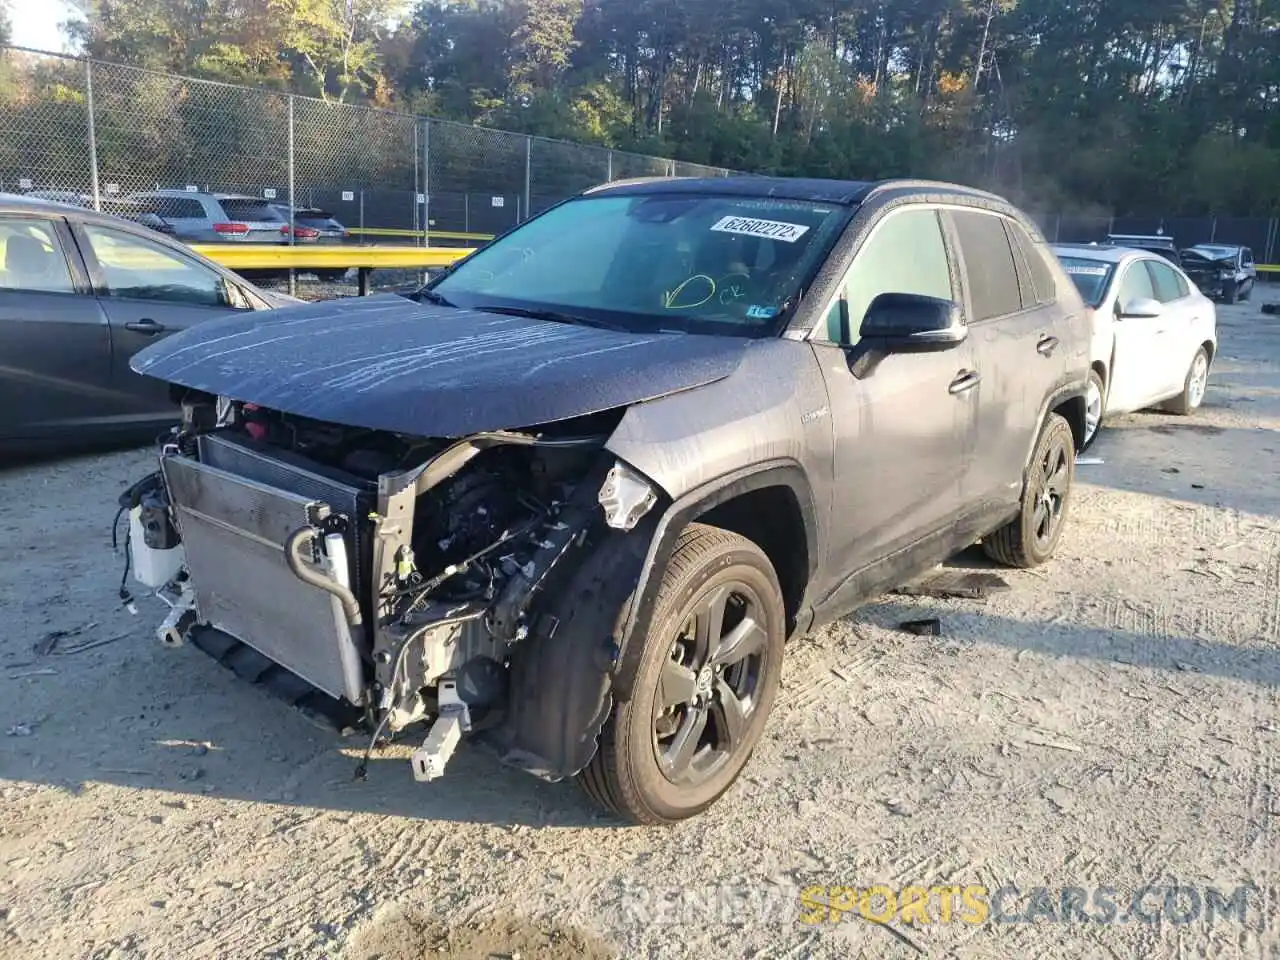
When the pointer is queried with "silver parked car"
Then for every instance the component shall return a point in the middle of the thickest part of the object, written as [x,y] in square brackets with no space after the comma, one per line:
[218,217]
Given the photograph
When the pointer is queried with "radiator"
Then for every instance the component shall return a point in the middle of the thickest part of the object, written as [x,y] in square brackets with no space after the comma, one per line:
[233,530]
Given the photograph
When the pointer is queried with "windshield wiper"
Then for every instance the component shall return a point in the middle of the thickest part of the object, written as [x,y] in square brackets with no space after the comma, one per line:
[553,316]
[430,296]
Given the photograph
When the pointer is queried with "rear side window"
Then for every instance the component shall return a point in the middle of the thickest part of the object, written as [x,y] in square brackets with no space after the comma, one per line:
[176,208]
[31,257]
[1167,284]
[1247,257]
[989,266]
[1043,289]
[250,210]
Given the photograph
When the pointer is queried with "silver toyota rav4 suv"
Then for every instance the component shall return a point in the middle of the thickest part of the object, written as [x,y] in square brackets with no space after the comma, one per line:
[574,496]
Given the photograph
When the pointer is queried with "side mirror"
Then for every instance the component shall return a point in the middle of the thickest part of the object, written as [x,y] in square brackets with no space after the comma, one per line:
[912,323]
[1141,308]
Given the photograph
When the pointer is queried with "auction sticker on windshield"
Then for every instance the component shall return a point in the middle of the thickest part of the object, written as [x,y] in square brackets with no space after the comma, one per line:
[1086,271]
[772,229]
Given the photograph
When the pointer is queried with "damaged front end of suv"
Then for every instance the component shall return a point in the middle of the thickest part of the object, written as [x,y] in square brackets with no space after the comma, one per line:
[471,578]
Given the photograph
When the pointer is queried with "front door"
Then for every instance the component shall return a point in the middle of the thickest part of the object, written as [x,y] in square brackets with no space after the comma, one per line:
[903,429]
[55,346]
[148,290]
[1136,374]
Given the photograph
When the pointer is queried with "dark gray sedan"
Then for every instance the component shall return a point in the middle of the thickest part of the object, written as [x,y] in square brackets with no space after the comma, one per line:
[80,293]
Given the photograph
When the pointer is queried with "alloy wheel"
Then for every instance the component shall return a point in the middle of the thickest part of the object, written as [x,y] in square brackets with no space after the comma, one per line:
[1053,475]
[710,684]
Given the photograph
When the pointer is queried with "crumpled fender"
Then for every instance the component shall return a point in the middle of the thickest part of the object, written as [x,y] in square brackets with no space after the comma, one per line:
[560,694]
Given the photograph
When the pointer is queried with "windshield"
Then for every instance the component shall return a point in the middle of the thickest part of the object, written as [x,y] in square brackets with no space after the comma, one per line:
[1212,252]
[1091,277]
[681,262]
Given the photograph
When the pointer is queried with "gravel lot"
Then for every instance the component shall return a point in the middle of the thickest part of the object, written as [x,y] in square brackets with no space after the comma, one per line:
[1113,720]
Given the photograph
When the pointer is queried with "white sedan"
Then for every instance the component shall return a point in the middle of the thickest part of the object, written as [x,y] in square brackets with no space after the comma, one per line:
[1154,333]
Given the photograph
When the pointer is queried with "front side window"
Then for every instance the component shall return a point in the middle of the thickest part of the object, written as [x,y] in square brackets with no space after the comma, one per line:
[1136,284]
[138,269]
[904,253]
[1165,281]
[693,263]
[31,257]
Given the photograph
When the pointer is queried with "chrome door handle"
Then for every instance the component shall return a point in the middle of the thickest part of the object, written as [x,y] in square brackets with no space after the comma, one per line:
[965,381]
[145,325]
[1047,345]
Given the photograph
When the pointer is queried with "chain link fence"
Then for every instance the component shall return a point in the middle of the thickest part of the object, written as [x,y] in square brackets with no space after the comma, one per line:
[99,133]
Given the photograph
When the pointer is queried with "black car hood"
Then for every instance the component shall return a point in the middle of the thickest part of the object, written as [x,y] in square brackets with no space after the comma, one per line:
[388,363]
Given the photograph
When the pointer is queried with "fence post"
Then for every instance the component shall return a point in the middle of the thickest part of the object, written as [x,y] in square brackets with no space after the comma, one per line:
[426,185]
[609,175]
[362,239]
[93,134]
[417,186]
[1057,227]
[293,274]
[1213,230]
[528,177]
[466,213]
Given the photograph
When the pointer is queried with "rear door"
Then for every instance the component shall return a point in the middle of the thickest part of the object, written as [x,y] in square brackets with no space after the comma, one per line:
[149,289]
[1016,353]
[55,346]
[186,215]
[1178,333]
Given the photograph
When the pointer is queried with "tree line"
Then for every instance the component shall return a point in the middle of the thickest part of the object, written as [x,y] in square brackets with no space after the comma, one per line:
[1088,106]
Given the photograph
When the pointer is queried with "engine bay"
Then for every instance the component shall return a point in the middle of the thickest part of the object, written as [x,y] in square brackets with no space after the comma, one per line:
[391,571]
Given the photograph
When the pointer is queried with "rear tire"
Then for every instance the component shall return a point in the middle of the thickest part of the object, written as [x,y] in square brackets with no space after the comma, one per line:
[1193,387]
[706,682]
[1095,404]
[1031,538]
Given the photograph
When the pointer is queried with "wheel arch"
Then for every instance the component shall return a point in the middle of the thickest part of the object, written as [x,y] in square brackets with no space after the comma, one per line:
[1070,403]
[770,504]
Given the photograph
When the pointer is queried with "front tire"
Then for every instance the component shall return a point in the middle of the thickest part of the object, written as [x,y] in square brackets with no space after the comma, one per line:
[1193,387]
[709,672]
[1030,539]
[1231,294]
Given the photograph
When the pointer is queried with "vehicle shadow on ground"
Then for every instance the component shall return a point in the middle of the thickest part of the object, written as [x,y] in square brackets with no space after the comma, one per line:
[1208,465]
[1183,656]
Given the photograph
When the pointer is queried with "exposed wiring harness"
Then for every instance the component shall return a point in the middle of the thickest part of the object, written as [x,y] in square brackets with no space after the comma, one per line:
[362,768]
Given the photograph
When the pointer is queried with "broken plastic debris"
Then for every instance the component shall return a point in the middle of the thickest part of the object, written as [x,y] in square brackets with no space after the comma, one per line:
[931,627]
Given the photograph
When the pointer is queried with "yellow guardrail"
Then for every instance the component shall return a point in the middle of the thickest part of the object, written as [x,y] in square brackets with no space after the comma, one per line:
[1268,268]
[270,256]
[430,234]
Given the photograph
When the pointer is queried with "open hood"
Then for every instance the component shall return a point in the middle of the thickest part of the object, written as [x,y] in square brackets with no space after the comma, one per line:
[388,363]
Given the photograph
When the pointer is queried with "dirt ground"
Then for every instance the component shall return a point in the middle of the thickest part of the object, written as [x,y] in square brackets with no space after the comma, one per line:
[1112,720]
